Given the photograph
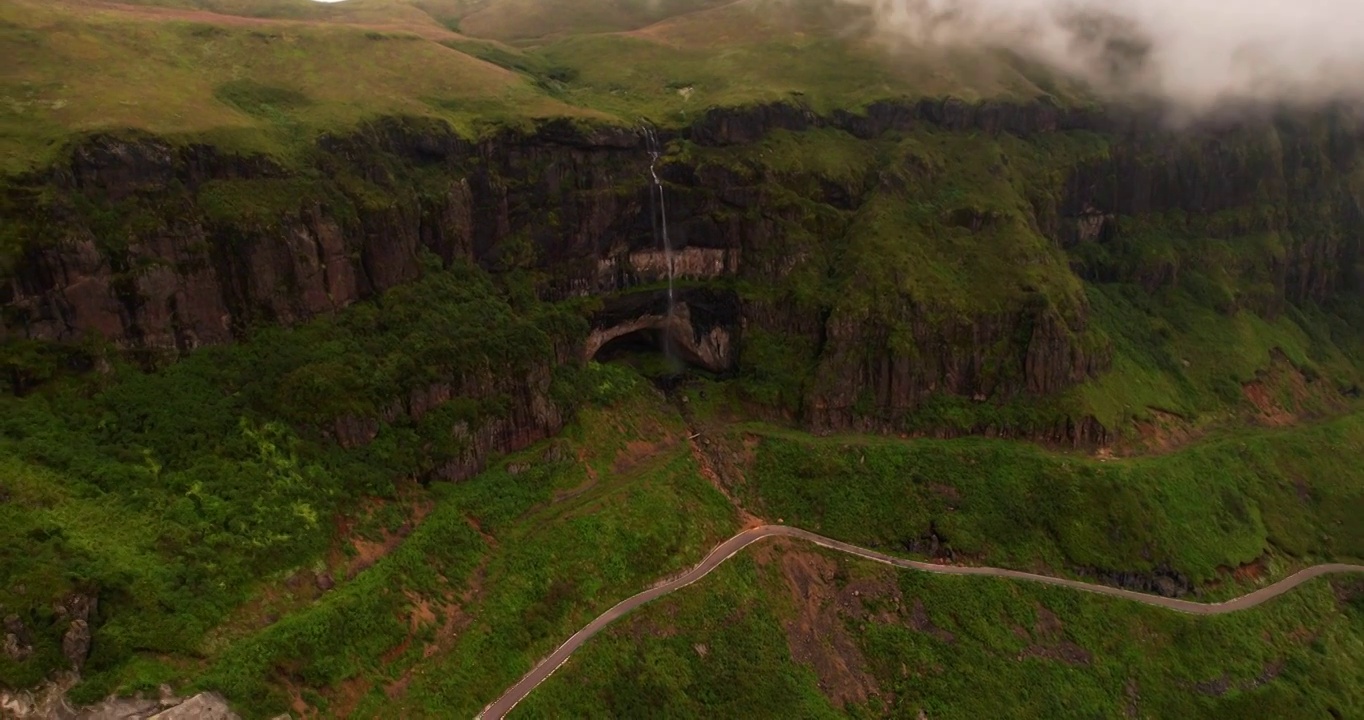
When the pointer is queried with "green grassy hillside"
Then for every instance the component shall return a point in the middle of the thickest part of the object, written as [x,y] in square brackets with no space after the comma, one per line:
[213,516]
[204,502]
[259,86]
[793,631]
[1293,495]
[271,75]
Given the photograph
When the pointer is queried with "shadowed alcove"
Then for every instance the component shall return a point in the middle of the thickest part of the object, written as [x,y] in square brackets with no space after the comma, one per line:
[698,331]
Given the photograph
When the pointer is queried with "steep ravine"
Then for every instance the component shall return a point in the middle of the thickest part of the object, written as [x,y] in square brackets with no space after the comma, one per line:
[158,248]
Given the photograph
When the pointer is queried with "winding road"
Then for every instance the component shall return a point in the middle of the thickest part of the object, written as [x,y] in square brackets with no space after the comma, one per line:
[503,705]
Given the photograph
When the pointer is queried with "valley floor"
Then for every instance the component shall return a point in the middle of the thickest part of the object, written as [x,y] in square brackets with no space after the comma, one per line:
[606,510]
[434,601]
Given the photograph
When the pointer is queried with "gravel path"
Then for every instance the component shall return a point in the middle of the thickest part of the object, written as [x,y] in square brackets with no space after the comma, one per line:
[732,546]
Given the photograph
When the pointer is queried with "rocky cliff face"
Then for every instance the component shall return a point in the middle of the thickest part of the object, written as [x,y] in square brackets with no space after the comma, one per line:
[1298,180]
[159,248]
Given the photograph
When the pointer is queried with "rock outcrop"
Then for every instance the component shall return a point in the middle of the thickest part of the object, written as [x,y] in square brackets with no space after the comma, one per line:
[18,645]
[1161,581]
[78,612]
[701,328]
[49,702]
[76,643]
[204,706]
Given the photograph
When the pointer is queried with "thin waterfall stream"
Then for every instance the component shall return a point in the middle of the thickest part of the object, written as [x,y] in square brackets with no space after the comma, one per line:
[660,223]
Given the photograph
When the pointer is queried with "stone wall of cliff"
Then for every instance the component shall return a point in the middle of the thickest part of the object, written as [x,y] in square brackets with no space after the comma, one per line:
[158,248]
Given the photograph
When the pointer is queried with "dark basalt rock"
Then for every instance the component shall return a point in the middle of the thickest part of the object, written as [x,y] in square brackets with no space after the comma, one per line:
[931,544]
[17,639]
[1161,581]
[180,278]
[76,643]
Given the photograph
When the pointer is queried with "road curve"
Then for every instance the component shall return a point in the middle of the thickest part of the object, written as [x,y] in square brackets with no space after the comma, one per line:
[727,549]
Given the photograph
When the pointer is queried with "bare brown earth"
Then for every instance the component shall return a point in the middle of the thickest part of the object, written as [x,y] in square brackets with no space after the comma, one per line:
[369,550]
[818,635]
[1048,641]
[1279,396]
[1282,395]
[1271,413]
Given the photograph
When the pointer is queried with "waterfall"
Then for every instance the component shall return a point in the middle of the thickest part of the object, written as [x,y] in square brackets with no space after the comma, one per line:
[660,222]
[655,152]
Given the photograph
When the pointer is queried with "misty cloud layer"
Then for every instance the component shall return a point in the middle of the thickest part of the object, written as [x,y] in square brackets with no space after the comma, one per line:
[1194,53]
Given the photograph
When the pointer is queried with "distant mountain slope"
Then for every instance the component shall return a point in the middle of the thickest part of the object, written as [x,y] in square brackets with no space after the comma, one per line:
[269,75]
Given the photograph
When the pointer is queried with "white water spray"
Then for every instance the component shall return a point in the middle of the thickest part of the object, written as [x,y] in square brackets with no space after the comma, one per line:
[660,220]
[655,152]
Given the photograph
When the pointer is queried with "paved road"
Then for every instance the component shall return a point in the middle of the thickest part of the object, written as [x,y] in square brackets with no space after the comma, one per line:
[730,547]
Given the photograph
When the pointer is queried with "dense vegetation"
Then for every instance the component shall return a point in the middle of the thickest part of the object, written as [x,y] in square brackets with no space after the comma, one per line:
[953,647]
[200,503]
[169,493]
[501,570]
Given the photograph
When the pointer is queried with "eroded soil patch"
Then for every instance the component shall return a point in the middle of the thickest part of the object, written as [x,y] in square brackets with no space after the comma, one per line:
[1048,641]
[818,634]
[1282,394]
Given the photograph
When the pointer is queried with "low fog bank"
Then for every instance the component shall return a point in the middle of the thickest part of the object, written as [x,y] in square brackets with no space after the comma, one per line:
[1195,55]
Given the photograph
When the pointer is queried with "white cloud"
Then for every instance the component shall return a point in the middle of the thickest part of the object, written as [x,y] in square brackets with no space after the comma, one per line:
[1196,53]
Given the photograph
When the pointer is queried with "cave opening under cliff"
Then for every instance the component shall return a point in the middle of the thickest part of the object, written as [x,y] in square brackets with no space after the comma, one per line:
[650,351]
